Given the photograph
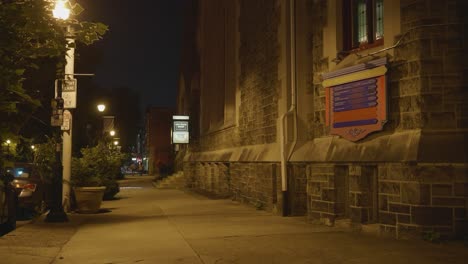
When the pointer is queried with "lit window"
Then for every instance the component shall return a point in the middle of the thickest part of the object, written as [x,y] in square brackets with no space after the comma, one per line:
[363,23]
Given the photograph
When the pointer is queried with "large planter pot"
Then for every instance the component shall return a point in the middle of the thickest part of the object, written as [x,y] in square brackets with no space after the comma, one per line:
[88,199]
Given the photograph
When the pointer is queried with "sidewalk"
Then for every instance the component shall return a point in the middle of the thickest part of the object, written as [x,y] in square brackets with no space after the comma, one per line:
[147,225]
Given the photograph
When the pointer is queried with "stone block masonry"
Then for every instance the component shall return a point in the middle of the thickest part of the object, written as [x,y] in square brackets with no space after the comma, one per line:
[322,194]
[405,200]
[427,199]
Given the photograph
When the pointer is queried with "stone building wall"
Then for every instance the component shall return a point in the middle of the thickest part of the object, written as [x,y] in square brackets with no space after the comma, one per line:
[226,138]
[418,198]
[404,199]
[427,92]
[252,183]
[408,179]
[428,83]
[259,56]
[320,64]
[297,186]
[255,184]
[258,85]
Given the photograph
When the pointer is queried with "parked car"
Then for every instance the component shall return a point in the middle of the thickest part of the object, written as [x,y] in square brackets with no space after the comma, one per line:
[29,187]
[8,203]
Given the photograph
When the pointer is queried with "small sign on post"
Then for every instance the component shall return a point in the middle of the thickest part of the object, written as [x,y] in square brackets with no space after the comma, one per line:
[57,112]
[66,120]
[69,89]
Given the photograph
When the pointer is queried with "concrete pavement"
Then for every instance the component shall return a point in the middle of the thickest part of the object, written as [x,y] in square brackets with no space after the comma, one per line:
[146,225]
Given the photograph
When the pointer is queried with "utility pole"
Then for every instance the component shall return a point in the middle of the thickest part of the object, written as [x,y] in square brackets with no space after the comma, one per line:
[67,134]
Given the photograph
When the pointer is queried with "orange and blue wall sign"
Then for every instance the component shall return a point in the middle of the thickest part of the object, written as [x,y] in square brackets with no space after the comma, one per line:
[355,105]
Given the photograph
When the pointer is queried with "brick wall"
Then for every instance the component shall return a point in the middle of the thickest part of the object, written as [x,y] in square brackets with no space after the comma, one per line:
[227,138]
[209,177]
[259,57]
[252,183]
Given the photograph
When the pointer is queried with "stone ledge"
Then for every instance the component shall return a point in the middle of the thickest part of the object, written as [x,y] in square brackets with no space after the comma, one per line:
[405,146]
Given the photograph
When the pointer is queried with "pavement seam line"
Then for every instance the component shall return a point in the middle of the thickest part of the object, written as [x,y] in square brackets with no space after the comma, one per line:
[75,229]
[169,219]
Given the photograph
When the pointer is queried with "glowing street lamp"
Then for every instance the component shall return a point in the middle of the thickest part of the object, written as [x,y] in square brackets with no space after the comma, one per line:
[33,147]
[112,133]
[101,107]
[61,11]
[116,142]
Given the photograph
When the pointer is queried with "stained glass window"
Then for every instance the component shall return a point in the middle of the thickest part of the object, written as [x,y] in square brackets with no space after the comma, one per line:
[379,19]
[363,22]
[361,25]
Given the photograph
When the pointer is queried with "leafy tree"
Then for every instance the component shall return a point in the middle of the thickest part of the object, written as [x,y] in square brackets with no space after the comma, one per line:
[29,34]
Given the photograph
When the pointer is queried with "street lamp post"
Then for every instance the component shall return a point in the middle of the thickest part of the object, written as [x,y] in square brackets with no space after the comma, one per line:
[62,170]
[67,134]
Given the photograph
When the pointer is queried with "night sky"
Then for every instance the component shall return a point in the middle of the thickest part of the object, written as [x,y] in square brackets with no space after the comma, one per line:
[141,49]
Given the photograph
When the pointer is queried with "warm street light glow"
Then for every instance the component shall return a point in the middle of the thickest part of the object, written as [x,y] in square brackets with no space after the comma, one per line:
[60,11]
[116,143]
[33,147]
[112,133]
[8,141]
[101,107]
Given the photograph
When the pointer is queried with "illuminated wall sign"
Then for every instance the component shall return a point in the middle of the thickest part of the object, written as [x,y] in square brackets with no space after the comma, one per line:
[356,100]
[180,129]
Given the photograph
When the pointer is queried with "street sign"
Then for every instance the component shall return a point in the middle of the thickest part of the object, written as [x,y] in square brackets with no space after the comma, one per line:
[69,90]
[66,120]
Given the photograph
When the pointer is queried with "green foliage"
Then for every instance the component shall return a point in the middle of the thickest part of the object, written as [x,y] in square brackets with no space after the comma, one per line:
[44,158]
[29,33]
[99,166]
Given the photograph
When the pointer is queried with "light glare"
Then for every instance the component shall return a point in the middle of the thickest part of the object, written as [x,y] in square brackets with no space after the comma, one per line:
[60,11]
[101,107]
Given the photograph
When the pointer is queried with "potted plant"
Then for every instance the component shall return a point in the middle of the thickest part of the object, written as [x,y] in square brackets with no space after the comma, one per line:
[94,176]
